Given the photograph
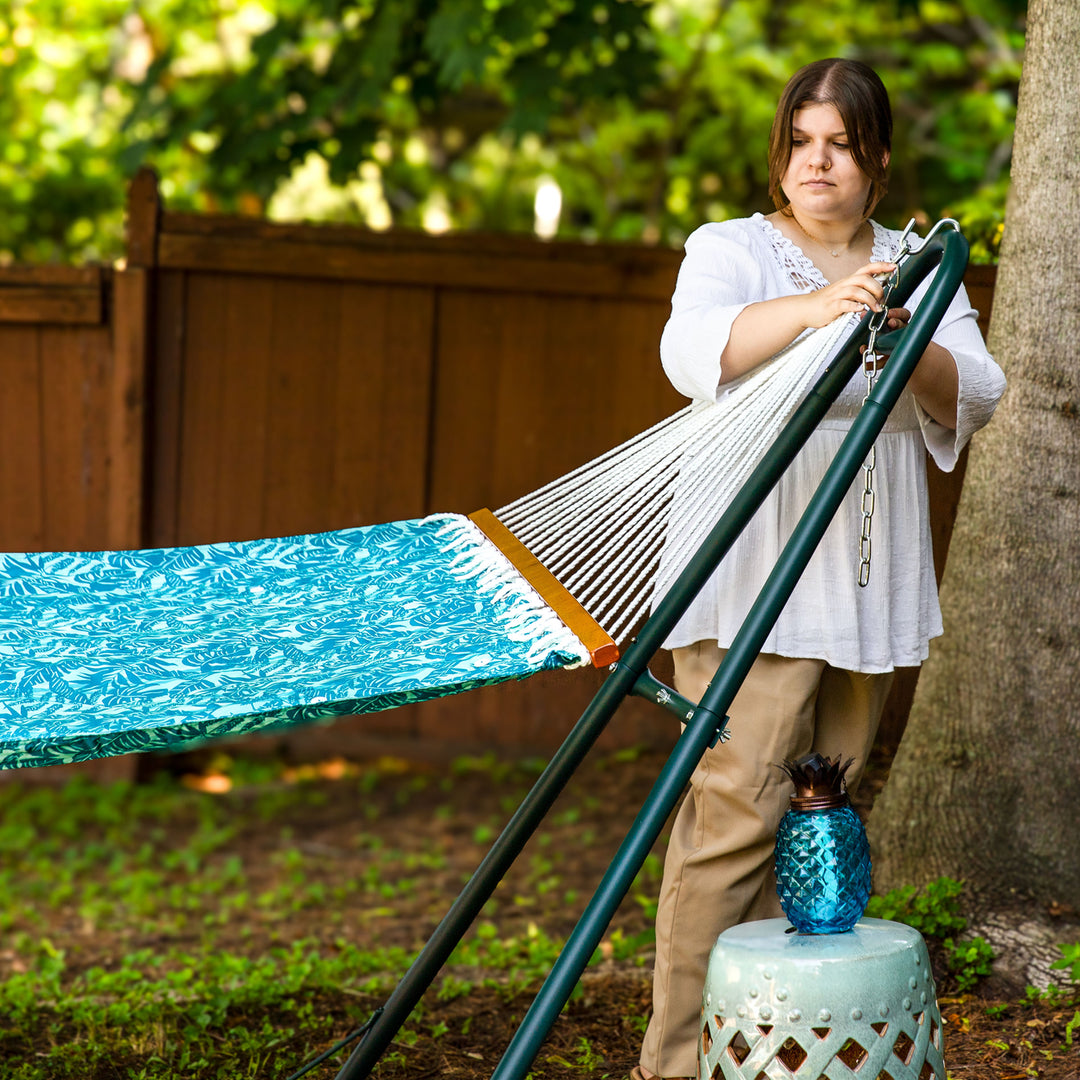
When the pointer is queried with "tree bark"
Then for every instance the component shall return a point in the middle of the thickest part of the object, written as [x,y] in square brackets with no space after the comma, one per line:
[985,786]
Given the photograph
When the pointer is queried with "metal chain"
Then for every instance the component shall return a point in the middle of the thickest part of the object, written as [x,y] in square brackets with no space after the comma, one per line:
[871,360]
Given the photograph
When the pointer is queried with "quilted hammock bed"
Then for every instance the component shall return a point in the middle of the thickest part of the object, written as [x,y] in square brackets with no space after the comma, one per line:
[111,652]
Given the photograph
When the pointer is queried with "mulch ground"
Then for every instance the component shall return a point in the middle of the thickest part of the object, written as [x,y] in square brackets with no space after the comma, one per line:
[600,1031]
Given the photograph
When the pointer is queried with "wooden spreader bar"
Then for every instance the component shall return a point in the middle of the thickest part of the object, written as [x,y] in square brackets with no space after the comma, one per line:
[602,649]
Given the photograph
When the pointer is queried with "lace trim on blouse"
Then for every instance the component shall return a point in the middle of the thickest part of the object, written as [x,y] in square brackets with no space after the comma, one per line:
[804,275]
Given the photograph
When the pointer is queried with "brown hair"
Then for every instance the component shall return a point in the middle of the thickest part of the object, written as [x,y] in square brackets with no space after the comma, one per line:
[859,96]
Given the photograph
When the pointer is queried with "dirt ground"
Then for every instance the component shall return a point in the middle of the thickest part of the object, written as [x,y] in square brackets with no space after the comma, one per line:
[599,1033]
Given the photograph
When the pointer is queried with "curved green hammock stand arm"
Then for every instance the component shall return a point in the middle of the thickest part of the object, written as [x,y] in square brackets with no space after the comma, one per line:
[707,721]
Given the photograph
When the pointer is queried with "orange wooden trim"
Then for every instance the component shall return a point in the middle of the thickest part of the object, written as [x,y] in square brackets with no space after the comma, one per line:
[592,635]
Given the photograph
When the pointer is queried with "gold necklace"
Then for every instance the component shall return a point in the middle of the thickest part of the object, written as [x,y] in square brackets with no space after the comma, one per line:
[825,247]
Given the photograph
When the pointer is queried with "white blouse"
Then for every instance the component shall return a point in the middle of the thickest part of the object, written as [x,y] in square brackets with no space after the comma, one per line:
[889,623]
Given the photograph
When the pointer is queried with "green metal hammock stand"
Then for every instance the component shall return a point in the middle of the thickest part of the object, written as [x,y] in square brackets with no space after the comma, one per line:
[705,723]
[104,653]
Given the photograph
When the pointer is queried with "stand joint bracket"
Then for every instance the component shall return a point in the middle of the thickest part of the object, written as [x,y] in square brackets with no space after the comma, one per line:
[722,735]
[652,689]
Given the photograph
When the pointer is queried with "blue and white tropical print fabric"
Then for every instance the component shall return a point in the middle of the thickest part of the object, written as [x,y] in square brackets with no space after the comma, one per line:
[110,652]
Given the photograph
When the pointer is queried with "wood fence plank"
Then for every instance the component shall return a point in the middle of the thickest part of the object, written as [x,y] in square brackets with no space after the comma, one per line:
[632,273]
[245,428]
[468,367]
[49,304]
[639,394]
[528,443]
[382,404]
[125,450]
[299,455]
[979,284]
[73,480]
[22,520]
[73,295]
[52,276]
[168,335]
[503,422]
[205,356]
[143,219]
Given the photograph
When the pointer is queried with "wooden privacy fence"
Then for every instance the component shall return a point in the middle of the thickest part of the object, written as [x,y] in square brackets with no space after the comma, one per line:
[237,379]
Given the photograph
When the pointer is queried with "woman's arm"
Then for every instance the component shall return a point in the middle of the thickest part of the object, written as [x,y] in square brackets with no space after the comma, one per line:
[935,382]
[956,383]
[721,273]
[763,329]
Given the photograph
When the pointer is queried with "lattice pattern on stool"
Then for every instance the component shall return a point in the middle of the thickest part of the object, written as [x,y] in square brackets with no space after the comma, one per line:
[910,1050]
[857,1006]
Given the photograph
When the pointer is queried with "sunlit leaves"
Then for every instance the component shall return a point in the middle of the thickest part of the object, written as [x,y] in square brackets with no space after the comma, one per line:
[652,115]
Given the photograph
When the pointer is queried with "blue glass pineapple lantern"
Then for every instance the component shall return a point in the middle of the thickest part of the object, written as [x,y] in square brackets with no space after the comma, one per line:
[822,855]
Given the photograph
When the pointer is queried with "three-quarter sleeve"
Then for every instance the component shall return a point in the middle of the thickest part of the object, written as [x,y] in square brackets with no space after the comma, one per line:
[981,381]
[720,275]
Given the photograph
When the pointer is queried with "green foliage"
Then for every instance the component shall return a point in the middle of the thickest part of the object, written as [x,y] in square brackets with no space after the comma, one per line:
[1070,961]
[153,930]
[935,912]
[651,115]
[414,96]
[969,961]
[1071,1030]
[982,217]
[61,105]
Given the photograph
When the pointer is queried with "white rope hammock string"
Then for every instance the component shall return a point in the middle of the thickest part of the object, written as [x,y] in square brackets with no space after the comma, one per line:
[606,530]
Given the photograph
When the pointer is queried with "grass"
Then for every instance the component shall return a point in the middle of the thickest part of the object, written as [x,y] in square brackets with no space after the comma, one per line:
[236,923]
[155,930]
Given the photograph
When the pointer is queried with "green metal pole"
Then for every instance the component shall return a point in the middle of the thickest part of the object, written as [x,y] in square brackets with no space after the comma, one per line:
[712,709]
[565,761]
[619,684]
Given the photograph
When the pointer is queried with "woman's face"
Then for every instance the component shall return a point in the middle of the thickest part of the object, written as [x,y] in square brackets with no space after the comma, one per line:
[822,180]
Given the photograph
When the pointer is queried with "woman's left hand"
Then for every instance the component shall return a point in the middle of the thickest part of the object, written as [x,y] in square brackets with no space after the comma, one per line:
[934,382]
[898,318]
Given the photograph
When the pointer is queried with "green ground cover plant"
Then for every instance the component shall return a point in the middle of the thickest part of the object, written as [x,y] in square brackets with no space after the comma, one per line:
[238,920]
[160,930]
[935,912]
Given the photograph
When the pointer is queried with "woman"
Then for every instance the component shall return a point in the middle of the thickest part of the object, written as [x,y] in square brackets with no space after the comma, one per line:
[746,289]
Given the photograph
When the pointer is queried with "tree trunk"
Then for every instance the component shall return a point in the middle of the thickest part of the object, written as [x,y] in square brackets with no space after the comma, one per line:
[985,786]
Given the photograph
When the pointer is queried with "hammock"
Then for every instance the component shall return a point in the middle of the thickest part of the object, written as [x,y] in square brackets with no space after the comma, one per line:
[104,653]
[606,530]
[110,652]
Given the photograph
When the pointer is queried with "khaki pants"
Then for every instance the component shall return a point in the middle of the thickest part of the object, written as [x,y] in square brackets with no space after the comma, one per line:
[718,870]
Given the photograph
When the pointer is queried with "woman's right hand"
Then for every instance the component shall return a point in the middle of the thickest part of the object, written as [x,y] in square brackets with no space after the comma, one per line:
[855,293]
[762,329]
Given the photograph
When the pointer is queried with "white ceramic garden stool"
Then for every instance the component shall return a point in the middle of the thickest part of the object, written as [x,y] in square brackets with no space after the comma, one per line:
[789,1006]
